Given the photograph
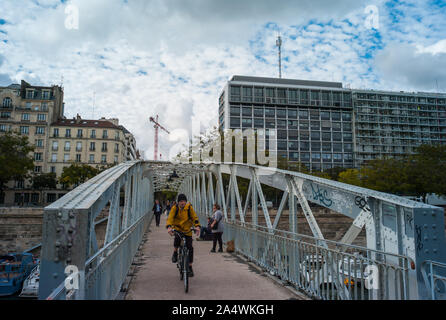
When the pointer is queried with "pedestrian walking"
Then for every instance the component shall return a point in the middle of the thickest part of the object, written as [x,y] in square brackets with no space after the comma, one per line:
[217,228]
[168,207]
[157,211]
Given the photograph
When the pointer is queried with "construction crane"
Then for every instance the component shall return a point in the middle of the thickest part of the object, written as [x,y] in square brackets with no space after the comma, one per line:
[157,126]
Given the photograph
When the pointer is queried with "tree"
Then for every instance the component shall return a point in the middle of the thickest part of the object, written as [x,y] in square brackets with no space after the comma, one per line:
[44,181]
[427,170]
[15,158]
[77,174]
[350,176]
[386,175]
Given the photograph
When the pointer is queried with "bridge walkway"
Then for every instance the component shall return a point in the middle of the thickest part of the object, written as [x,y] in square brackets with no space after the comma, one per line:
[218,276]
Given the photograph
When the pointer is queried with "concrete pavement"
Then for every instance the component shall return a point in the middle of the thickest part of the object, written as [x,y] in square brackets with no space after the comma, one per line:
[218,276]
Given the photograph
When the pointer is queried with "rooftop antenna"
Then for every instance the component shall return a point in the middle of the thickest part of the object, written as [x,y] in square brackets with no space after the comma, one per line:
[279,45]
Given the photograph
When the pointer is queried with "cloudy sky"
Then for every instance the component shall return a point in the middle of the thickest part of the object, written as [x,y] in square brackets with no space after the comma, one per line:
[139,58]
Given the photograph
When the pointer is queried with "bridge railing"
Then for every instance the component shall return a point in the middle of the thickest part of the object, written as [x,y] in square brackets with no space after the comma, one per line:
[338,271]
[75,263]
[435,279]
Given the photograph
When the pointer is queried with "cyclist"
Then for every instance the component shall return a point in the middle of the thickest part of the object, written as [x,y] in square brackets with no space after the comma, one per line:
[182,217]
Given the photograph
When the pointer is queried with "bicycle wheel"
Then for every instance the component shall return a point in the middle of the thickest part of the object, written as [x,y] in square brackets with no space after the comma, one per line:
[186,270]
[181,262]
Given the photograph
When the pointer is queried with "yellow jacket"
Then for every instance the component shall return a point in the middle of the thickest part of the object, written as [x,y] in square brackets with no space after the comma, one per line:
[182,222]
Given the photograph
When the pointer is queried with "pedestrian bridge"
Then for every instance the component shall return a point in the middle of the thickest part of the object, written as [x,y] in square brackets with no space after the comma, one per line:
[404,257]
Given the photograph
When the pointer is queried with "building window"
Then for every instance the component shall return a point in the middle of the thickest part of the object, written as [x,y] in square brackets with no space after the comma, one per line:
[39,143]
[50,197]
[38,156]
[337,136]
[116,159]
[93,134]
[7,103]
[37,169]
[5,115]
[68,133]
[92,146]
[347,137]
[79,133]
[44,106]
[104,134]
[55,132]
[326,156]
[78,158]
[40,130]
[29,94]
[45,94]
[116,147]
[24,130]
[246,123]
[337,157]
[66,157]
[20,184]
[325,115]
[54,157]
[281,113]
[103,159]
[25,116]
[346,116]
[235,122]
[315,135]
[91,160]
[55,145]
[53,169]
[270,112]
[303,114]
[337,146]
[292,114]
[41,117]
[104,147]
[258,123]
[117,135]
[258,112]
[67,146]
[79,146]
[316,157]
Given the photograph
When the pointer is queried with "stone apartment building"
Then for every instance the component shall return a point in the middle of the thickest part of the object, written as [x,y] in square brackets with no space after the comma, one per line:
[38,112]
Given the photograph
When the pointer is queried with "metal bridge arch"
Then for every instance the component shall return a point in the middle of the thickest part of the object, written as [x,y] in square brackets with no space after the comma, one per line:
[405,239]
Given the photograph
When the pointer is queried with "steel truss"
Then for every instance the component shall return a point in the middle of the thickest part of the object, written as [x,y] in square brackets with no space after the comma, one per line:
[401,234]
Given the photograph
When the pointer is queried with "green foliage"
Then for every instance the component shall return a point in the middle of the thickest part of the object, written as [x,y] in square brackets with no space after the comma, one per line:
[44,181]
[350,176]
[15,158]
[77,174]
[426,170]
[417,175]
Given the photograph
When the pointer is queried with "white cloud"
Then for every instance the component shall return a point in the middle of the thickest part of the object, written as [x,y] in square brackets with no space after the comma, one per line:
[172,57]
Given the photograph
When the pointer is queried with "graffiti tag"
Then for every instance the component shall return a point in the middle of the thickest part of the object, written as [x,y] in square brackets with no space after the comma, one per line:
[321,195]
[361,202]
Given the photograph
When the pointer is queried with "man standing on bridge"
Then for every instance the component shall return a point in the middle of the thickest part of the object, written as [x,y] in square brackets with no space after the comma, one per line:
[181,218]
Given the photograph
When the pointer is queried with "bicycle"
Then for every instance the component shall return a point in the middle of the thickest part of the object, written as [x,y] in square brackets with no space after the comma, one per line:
[183,260]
